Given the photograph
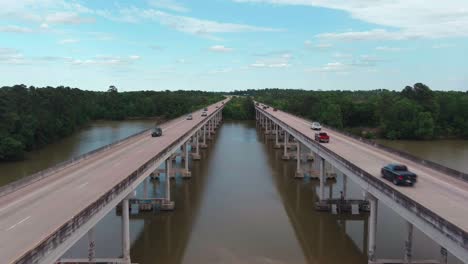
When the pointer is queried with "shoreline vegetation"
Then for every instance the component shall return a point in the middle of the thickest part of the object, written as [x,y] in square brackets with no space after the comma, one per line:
[415,113]
[34,117]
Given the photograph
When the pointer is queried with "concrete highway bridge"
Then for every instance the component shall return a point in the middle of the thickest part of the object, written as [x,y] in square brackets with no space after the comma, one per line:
[437,204]
[45,214]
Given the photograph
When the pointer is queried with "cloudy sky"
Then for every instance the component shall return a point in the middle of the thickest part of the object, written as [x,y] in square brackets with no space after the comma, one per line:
[234,44]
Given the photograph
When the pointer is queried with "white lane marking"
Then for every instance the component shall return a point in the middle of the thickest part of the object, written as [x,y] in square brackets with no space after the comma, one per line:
[82,185]
[21,221]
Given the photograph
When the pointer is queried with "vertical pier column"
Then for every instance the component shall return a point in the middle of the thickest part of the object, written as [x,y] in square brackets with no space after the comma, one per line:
[145,188]
[196,155]
[125,231]
[277,145]
[167,204]
[443,255]
[186,173]
[409,244]
[204,137]
[91,246]
[299,173]
[322,178]
[372,227]
[345,185]
[286,140]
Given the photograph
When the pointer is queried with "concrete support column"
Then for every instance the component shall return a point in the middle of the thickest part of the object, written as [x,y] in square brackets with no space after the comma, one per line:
[91,246]
[409,244]
[167,204]
[299,173]
[196,155]
[345,184]
[286,139]
[125,231]
[186,173]
[443,255]
[277,145]
[204,137]
[372,226]
[145,188]
[322,178]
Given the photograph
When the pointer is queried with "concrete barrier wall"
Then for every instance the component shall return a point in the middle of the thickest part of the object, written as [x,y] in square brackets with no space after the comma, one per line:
[67,229]
[443,226]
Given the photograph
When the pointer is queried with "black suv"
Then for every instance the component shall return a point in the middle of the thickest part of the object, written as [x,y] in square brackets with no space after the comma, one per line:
[157,132]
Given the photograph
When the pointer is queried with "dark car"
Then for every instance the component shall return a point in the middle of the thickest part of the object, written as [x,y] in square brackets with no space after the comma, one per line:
[256,104]
[157,132]
[322,137]
[264,107]
[398,174]
[274,109]
[205,109]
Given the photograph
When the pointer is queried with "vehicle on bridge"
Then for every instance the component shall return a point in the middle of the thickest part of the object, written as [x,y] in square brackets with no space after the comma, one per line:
[322,137]
[265,107]
[205,109]
[399,174]
[157,132]
[204,114]
[274,109]
[189,117]
[316,126]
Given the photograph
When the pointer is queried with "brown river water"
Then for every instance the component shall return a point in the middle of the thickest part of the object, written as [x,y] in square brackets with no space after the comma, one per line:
[242,205]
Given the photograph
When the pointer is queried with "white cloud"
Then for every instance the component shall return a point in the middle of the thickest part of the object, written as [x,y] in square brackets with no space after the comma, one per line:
[411,19]
[11,56]
[135,57]
[330,67]
[342,55]
[104,61]
[44,26]
[443,46]
[169,5]
[310,44]
[274,61]
[389,49]
[67,18]
[15,29]
[220,48]
[68,41]
[225,70]
[190,25]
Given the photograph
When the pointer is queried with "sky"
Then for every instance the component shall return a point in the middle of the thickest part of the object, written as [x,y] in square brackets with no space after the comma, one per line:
[224,45]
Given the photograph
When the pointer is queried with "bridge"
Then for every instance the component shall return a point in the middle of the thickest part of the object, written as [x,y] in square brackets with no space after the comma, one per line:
[43,215]
[436,205]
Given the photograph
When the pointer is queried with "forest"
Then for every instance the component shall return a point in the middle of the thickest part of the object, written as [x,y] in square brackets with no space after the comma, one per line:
[33,117]
[416,112]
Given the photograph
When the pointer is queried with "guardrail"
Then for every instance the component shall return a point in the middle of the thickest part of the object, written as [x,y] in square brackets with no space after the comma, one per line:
[429,216]
[28,180]
[68,228]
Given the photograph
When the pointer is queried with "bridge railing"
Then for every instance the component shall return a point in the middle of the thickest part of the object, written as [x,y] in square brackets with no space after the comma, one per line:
[28,180]
[445,227]
[68,228]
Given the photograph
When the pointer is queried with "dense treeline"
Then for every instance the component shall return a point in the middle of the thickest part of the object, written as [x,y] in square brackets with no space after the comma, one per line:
[414,113]
[239,108]
[32,117]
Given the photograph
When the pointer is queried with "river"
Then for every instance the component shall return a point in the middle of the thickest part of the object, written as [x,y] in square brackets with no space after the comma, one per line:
[242,205]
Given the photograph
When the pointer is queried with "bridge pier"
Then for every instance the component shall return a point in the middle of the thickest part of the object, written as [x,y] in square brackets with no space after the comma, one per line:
[186,172]
[167,204]
[372,227]
[203,145]
[322,178]
[196,155]
[409,244]
[91,246]
[125,231]
[277,145]
[286,139]
[299,172]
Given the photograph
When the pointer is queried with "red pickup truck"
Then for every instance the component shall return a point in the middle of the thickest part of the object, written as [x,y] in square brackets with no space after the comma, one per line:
[322,137]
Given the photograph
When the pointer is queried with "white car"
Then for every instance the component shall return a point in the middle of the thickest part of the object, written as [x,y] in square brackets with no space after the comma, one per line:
[316,126]
[204,114]
[189,117]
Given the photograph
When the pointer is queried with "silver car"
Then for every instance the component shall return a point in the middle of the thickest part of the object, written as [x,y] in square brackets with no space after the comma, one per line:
[316,126]
[204,114]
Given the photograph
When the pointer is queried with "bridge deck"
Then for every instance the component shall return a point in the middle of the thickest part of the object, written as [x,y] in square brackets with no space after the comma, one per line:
[31,214]
[441,193]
